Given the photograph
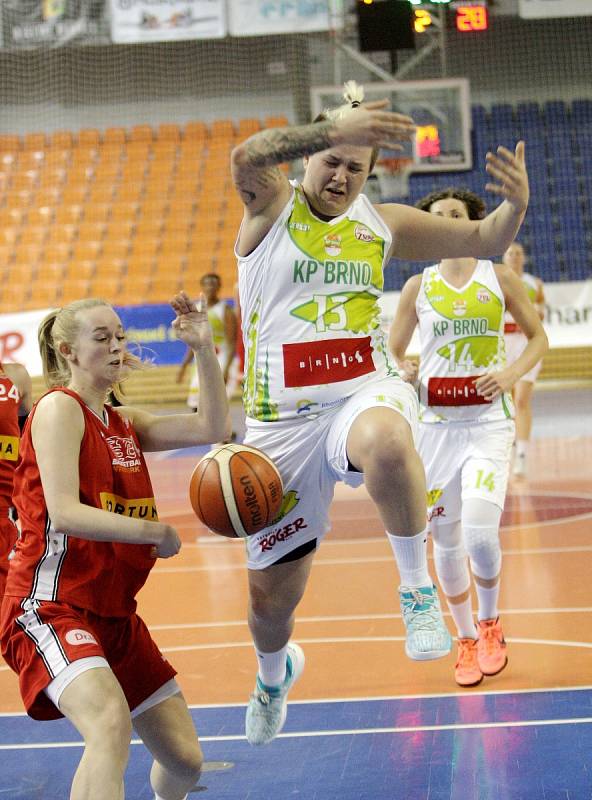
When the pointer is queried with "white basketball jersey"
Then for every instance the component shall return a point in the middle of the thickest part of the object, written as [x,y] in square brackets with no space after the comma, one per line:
[532,287]
[309,295]
[461,333]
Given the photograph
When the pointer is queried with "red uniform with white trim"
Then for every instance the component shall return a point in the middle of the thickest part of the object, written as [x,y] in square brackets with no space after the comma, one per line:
[67,597]
[9,451]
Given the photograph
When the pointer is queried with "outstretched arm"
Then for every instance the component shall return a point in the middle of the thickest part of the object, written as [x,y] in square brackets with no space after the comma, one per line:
[420,236]
[525,314]
[212,422]
[402,328]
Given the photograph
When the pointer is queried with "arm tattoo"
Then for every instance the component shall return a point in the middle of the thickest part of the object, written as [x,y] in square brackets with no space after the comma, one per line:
[279,145]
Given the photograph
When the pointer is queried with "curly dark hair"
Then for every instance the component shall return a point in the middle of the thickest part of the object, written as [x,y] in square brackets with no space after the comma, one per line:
[475,206]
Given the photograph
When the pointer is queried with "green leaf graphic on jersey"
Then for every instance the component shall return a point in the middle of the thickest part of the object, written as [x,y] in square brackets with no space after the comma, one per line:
[472,352]
[256,390]
[346,311]
[476,302]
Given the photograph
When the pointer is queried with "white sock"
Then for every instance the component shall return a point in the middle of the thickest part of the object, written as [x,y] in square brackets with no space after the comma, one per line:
[521,447]
[487,601]
[462,614]
[411,555]
[272,666]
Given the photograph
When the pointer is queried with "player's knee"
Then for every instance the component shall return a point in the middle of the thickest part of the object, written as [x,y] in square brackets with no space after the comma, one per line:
[186,760]
[274,606]
[111,726]
[452,568]
[483,546]
[389,455]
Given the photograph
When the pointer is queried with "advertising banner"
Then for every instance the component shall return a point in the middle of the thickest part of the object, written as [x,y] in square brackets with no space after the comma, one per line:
[263,17]
[54,23]
[166,20]
[539,9]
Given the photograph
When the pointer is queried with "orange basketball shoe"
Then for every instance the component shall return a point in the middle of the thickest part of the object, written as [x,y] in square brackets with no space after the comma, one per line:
[491,646]
[466,670]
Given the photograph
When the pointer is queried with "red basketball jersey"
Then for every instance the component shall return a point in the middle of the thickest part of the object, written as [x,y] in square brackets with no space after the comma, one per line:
[103,577]
[9,437]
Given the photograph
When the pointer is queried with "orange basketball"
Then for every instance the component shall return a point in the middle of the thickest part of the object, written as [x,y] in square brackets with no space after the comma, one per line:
[236,490]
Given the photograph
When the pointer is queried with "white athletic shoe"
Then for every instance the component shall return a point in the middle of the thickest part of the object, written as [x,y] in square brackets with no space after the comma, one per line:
[268,705]
[427,636]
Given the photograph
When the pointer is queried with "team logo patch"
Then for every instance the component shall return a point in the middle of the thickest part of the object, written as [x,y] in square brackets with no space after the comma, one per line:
[483,296]
[78,636]
[332,244]
[433,496]
[362,233]
[459,308]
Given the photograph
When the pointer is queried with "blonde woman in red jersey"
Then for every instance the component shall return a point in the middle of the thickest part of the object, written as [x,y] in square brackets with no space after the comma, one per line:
[15,404]
[90,535]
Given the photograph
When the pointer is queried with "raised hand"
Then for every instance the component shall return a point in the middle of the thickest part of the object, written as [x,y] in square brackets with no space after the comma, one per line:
[372,125]
[191,323]
[510,177]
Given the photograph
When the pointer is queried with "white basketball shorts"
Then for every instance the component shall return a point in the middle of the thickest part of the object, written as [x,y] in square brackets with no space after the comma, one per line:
[311,456]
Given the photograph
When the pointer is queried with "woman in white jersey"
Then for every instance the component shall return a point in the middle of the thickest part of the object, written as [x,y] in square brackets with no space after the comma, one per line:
[322,396]
[222,320]
[466,428]
[515,343]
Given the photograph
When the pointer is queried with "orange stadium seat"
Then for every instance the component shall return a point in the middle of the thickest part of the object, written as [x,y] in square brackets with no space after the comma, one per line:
[107,169]
[74,194]
[144,247]
[78,270]
[9,236]
[89,137]
[14,296]
[62,234]
[101,193]
[148,227]
[163,287]
[114,135]
[278,121]
[56,157]
[24,180]
[68,214]
[119,229]
[52,177]
[85,250]
[48,196]
[34,141]
[138,266]
[61,140]
[247,127]
[57,253]
[109,267]
[141,133]
[128,192]
[48,272]
[39,215]
[10,143]
[137,152]
[88,229]
[12,216]
[222,129]
[96,211]
[43,297]
[153,207]
[124,210]
[196,131]
[115,248]
[168,131]
[33,234]
[106,287]
[80,174]
[164,152]
[75,290]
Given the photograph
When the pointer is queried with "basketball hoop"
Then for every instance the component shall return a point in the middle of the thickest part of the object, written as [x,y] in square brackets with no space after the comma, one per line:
[392,175]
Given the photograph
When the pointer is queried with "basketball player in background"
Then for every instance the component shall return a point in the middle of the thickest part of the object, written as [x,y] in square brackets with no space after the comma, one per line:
[89,537]
[516,342]
[466,428]
[322,396]
[223,322]
[15,404]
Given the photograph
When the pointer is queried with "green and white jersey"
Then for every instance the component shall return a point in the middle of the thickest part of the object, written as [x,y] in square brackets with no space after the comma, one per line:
[309,298]
[532,287]
[461,332]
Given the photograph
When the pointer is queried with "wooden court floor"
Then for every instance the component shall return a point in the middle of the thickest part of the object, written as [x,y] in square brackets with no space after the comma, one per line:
[349,622]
